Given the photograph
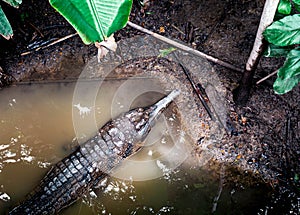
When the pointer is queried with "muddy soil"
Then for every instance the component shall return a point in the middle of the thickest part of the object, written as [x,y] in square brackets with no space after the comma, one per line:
[267,143]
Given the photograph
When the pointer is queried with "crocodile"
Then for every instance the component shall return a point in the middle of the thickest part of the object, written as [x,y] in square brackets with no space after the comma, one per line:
[72,177]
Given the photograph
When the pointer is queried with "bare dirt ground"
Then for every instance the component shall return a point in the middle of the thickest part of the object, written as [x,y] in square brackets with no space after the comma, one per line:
[268,140]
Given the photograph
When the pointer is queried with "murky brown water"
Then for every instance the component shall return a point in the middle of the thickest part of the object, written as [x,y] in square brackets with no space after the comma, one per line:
[37,130]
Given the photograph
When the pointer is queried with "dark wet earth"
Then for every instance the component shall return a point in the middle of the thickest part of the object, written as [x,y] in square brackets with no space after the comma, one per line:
[268,140]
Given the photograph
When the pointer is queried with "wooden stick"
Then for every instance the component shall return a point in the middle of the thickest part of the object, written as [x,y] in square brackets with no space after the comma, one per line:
[36,29]
[221,184]
[268,76]
[266,19]
[242,93]
[185,48]
[198,93]
[50,44]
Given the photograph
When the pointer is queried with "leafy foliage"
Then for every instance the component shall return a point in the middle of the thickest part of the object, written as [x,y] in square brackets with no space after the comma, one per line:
[94,20]
[5,27]
[277,51]
[165,52]
[289,73]
[14,3]
[284,32]
[285,7]
[284,38]
[297,5]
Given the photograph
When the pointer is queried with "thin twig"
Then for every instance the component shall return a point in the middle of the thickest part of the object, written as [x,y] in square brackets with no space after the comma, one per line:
[180,31]
[50,44]
[36,29]
[198,92]
[268,76]
[217,197]
[185,48]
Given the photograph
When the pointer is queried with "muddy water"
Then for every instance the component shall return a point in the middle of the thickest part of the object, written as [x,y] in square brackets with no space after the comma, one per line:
[37,130]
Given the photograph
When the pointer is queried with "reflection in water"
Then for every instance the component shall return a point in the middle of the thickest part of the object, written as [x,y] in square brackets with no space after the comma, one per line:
[36,131]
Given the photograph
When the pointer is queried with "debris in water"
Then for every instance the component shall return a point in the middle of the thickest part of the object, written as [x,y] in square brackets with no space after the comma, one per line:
[43,164]
[9,154]
[150,152]
[3,146]
[82,110]
[166,171]
[10,161]
[133,198]
[4,196]
[166,209]
[28,158]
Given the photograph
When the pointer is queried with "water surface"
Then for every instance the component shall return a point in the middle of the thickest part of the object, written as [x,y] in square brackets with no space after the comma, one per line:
[37,130]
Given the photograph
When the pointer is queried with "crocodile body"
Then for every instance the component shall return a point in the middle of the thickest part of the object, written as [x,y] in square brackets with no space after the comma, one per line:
[73,176]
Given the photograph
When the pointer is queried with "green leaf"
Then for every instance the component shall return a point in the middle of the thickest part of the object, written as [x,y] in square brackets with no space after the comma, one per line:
[165,52]
[297,7]
[14,3]
[291,65]
[288,75]
[284,32]
[282,86]
[277,51]
[5,28]
[297,4]
[284,7]
[94,20]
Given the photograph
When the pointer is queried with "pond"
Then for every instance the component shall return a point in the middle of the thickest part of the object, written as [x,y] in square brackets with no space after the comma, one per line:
[37,130]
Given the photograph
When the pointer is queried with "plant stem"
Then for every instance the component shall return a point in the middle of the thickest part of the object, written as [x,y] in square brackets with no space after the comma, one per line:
[243,91]
[185,48]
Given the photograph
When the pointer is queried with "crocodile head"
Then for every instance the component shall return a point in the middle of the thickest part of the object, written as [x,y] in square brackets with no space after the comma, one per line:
[145,118]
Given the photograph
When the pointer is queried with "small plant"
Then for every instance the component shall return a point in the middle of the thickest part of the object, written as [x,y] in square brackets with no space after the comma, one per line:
[284,38]
[5,27]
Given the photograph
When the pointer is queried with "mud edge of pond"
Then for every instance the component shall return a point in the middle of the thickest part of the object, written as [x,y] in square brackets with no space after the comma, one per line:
[5,80]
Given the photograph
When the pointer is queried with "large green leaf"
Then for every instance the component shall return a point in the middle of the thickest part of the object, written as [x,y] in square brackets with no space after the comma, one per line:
[277,51]
[282,86]
[297,4]
[288,75]
[5,28]
[284,32]
[14,3]
[94,20]
[284,7]
[291,65]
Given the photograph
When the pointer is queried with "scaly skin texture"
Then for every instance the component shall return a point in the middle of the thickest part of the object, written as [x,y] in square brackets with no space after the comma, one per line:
[73,176]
